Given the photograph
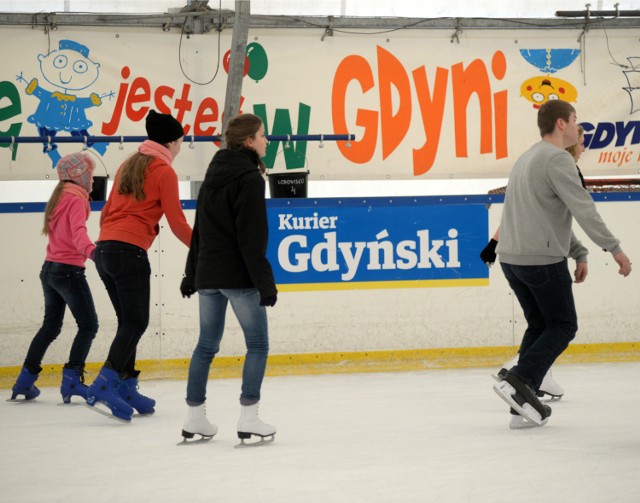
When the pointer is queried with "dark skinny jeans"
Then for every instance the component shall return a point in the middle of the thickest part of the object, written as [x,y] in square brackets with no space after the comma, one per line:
[125,272]
[64,285]
[546,297]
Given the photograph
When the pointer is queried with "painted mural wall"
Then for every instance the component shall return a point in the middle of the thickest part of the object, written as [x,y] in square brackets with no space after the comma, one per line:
[421,103]
[354,275]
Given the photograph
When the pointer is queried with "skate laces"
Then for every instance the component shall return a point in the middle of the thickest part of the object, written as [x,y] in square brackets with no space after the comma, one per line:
[135,390]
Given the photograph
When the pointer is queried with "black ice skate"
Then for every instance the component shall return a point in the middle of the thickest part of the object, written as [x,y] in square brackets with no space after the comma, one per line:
[501,373]
[548,388]
[522,399]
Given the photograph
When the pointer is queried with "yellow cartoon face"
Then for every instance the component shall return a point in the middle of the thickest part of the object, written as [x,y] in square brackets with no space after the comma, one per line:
[539,90]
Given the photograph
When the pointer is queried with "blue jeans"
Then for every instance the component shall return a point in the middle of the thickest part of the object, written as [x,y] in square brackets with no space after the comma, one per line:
[546,297]
[125,271]
[64,285]
[253,320]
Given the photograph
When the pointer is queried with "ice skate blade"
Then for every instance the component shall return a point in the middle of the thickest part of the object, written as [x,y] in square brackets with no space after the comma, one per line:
[505,391]
[548,396]
[146,414]
[520,423]
[22,400]
[264,440]
[188,438]
[67,400]
[107,413]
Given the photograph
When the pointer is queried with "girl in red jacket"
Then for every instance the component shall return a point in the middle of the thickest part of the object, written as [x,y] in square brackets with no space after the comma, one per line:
[145,189]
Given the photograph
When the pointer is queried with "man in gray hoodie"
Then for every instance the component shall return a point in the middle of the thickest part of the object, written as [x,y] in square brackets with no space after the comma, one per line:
[543,196]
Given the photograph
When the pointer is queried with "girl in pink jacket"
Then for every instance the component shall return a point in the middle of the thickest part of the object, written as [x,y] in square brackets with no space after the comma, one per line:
[63,279]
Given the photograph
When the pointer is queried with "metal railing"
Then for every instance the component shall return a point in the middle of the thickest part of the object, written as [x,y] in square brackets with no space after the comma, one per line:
[191,139]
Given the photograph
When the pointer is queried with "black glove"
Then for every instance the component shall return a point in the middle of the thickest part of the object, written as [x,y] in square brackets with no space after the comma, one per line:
[269,301]
[488,253]
[186,288]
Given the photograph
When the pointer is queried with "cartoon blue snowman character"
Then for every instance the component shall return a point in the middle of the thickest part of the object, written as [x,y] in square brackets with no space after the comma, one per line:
[69,69]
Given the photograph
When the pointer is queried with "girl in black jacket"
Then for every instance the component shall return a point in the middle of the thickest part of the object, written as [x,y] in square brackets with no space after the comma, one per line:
[227,263]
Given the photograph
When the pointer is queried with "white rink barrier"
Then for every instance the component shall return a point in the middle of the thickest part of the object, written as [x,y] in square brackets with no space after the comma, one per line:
[321,322]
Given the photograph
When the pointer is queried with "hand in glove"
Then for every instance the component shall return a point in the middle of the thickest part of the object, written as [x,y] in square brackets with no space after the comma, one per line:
[488,253]
[269,301]
[186,288]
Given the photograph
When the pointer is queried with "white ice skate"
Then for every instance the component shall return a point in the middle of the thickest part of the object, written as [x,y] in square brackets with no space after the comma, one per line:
[512,363]
[550,387]
[198,424]
[250,424]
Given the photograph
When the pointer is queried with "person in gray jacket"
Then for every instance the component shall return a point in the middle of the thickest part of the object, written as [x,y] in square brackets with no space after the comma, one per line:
[549,386]
[544,194]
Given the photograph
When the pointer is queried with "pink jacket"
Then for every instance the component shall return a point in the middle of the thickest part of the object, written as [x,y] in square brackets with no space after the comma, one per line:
[69,242]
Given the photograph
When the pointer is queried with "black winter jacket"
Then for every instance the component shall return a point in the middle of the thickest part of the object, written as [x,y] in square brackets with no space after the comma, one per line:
[230,234]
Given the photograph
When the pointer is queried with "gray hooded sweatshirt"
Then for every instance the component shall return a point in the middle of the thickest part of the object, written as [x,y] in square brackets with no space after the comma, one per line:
[543,196]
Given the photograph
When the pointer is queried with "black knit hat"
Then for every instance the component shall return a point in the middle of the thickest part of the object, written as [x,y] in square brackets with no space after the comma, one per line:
[163,128]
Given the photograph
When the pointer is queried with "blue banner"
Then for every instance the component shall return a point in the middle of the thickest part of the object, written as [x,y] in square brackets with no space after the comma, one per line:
[380,242]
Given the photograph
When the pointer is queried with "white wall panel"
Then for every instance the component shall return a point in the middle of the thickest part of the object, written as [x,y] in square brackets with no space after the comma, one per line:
[319,321]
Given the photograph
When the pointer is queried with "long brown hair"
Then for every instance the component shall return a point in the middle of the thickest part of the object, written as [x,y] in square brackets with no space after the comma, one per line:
[131,175]
[240,128]
[573,148]
[51,205]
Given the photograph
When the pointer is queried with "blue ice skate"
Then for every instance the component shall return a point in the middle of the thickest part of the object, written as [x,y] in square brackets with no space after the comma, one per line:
[104,390]
[129,393]
[25,385]
[73,384]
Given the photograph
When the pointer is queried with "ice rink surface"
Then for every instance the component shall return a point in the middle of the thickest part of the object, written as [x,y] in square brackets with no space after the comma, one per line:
[428,436]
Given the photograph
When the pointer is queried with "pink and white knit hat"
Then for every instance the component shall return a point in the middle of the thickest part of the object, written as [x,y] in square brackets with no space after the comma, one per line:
[77,168]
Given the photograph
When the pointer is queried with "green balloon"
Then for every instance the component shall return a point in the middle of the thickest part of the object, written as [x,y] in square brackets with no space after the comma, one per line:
[258,61]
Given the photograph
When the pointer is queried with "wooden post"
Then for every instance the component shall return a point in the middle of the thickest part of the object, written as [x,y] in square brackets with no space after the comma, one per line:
[236,62]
